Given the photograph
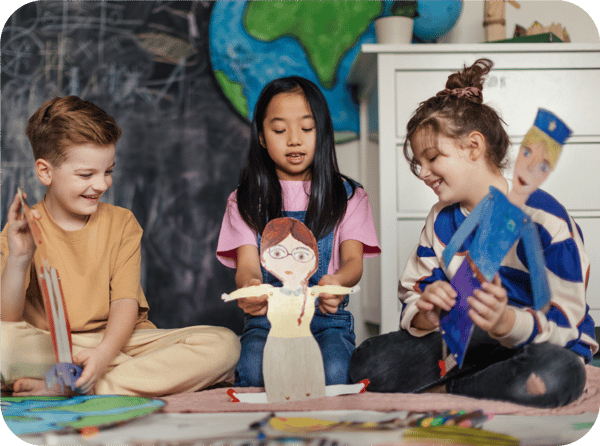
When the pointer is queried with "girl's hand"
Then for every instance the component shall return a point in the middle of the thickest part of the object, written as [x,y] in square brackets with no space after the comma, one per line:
[490,310]
[329,303]
[94,362]
[254,306]
[20,240]
[436,296]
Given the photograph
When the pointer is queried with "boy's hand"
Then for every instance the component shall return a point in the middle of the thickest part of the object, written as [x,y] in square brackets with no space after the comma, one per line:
[94,362]
[329,303]
[490,310]
[436,296]
[254,306]
[20,240]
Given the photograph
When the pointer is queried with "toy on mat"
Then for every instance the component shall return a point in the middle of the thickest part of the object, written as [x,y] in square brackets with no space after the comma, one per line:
[292,360]
[499,222]
[64,373]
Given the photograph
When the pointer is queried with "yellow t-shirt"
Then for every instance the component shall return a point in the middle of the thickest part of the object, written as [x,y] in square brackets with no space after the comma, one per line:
[97,264]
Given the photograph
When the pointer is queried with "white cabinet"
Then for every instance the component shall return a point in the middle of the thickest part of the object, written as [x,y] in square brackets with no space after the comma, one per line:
[394,79]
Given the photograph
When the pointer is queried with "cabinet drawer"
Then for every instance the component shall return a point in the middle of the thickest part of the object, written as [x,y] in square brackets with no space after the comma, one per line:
[515,93]
[409,232]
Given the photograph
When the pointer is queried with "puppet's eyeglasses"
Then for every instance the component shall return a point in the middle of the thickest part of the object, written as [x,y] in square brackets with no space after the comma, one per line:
[300,253]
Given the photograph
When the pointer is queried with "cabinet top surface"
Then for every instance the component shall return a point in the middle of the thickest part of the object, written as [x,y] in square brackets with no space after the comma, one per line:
[478,47]
[367,58]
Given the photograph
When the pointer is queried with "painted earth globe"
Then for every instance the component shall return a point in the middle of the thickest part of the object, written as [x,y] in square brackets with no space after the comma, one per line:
[436,18]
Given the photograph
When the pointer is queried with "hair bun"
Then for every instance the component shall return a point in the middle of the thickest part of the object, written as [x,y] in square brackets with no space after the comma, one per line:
[470,93]
[469,81]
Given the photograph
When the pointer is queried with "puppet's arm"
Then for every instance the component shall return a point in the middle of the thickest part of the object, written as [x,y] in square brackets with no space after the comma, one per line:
[464,230]
[332,289]
[537,267]
[251,291]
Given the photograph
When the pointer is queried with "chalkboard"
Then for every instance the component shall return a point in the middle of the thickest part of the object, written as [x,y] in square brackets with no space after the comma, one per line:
[146,64]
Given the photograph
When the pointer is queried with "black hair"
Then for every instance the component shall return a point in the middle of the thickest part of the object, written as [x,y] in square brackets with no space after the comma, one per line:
[259,195]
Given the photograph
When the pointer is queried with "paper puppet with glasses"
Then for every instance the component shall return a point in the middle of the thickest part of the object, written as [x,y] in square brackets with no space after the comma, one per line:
[498,222]
[292,360]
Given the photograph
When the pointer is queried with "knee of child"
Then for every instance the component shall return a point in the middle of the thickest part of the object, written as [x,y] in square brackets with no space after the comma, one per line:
[227,344]
[230,340]
[535,385]
[249,374]
[337,371]
[557,369]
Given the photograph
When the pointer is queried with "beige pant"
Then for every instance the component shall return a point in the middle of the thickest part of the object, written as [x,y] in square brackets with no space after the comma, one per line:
[154,362]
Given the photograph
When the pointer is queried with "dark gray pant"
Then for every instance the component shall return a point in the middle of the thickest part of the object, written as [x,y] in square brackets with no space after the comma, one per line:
[400,362]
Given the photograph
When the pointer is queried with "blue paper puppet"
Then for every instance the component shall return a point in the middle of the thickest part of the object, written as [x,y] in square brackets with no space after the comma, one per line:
[499,222]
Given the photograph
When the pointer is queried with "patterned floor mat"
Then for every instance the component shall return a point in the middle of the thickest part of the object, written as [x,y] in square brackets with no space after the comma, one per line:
[36,415]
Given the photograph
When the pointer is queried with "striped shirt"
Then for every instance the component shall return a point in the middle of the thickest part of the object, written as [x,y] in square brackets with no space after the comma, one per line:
[565,322]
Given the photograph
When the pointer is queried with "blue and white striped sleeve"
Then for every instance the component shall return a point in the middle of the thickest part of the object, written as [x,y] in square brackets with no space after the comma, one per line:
[423,267]
[566,321]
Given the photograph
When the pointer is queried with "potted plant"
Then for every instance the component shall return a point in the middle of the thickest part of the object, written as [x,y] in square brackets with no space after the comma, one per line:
[397,27]
[403,8]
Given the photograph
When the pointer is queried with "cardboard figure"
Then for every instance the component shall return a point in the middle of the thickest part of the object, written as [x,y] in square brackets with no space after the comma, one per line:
[292,360]
[499,222]
[64,373]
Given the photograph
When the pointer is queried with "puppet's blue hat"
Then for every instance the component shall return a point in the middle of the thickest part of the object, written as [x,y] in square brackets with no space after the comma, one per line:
[552,126]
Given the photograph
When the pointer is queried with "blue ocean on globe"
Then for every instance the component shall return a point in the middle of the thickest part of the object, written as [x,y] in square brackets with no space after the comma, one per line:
[252,63]
[436,18]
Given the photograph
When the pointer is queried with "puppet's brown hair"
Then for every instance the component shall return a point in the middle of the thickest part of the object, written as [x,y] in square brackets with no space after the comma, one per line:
[279,228]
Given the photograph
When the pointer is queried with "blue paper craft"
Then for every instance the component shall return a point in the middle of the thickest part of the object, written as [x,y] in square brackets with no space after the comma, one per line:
[456,324]
[498,224]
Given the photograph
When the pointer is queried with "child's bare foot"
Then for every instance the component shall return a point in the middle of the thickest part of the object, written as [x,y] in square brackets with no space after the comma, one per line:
[36,387]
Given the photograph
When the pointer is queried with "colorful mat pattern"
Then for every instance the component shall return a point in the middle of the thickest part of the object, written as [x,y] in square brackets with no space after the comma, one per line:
[39,414]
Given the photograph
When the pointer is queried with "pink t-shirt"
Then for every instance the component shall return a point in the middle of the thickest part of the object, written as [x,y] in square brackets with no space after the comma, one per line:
[357,224]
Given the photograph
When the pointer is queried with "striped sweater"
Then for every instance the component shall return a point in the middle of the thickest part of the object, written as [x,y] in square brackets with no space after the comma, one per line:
[565,322]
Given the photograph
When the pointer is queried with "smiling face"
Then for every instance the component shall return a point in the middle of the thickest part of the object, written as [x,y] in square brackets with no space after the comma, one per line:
[76,185]
[532,167]
[289,135]
[443,165]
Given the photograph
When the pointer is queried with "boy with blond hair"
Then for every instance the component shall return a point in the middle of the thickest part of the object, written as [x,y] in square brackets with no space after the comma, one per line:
[96,249]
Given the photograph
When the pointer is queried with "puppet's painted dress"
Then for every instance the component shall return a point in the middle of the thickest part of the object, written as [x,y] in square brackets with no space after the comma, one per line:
[292,346]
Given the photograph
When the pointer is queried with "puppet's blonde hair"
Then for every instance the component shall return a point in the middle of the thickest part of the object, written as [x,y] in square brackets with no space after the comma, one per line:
[553,148]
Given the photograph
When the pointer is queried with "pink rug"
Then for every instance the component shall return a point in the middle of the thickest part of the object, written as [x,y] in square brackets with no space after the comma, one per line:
[216,400]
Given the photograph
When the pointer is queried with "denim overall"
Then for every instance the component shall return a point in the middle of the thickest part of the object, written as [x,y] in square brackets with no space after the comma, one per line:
[334,332]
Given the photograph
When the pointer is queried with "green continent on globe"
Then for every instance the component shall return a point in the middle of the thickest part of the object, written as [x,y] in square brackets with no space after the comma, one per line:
[233,91]
[326,30]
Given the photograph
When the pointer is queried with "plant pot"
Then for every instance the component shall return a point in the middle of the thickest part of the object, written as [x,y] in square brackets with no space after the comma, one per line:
[394,29]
